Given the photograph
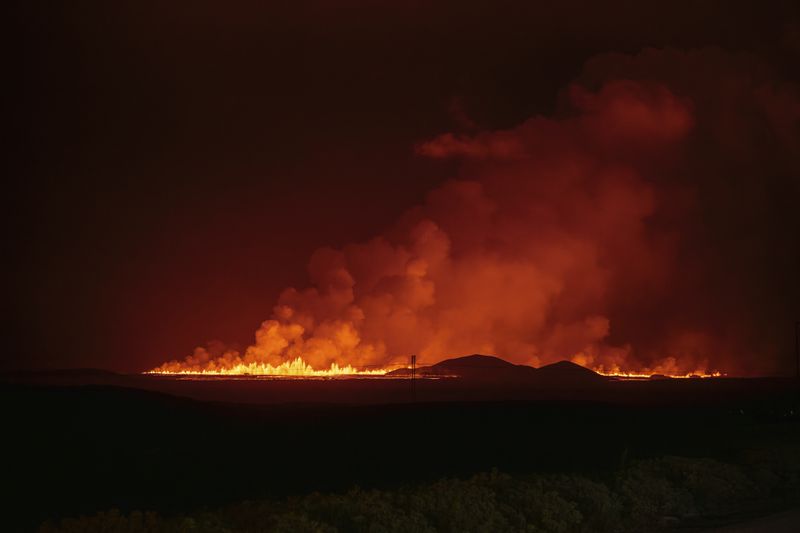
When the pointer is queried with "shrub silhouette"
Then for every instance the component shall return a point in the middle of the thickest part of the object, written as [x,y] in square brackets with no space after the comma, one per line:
[643,496]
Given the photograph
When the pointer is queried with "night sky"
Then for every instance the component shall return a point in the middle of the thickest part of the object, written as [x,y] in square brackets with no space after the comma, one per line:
[176,164]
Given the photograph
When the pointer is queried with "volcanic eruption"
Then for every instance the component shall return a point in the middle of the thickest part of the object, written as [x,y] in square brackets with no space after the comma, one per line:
[597,234]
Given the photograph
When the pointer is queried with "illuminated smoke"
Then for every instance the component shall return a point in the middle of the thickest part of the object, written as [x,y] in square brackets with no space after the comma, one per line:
[597,235]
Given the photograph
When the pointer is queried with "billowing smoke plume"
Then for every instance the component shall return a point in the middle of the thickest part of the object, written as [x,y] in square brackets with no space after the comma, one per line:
[650,223]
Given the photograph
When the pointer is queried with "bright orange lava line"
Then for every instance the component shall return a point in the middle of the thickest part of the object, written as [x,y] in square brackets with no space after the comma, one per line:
[647,375]
[296,367]
[299,368]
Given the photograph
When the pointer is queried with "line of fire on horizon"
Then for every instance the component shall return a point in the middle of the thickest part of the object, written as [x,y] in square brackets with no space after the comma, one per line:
[298,367]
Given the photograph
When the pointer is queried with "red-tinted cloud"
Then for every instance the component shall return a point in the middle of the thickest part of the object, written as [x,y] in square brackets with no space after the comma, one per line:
[631,230]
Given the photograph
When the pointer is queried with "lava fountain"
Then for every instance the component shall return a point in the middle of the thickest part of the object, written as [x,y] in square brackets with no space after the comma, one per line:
[294,368]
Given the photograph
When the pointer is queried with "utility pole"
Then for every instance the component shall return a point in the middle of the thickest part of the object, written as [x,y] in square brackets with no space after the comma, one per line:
[414,376]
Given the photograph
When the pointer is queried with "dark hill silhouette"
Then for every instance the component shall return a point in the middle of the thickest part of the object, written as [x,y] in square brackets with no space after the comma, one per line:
[487,368]
[476,360]
[474,367]
[568,373]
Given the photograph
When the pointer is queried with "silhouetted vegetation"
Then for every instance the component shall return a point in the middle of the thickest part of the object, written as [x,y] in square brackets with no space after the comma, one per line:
[568,464]
[645,495]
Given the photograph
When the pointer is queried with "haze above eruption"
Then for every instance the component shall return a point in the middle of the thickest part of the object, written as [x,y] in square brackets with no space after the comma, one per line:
[645,227]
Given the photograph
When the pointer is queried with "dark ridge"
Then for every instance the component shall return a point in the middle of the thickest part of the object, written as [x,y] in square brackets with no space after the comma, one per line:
[567,371]
[475,360]
[474,367]
[489,368]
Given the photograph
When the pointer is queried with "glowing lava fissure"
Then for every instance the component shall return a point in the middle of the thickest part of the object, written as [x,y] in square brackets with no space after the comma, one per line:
[298,367]
[650,375]
[294,368]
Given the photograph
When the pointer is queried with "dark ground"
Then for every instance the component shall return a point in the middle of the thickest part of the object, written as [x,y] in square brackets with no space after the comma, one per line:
[80,443]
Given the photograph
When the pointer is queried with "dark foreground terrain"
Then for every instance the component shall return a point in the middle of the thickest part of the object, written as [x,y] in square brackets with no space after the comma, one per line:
[447,454]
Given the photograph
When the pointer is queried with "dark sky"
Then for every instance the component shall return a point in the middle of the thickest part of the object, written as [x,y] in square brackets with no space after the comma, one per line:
[176,163]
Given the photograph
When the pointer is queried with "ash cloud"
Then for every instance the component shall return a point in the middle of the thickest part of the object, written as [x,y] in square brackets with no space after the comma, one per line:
[649,224]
